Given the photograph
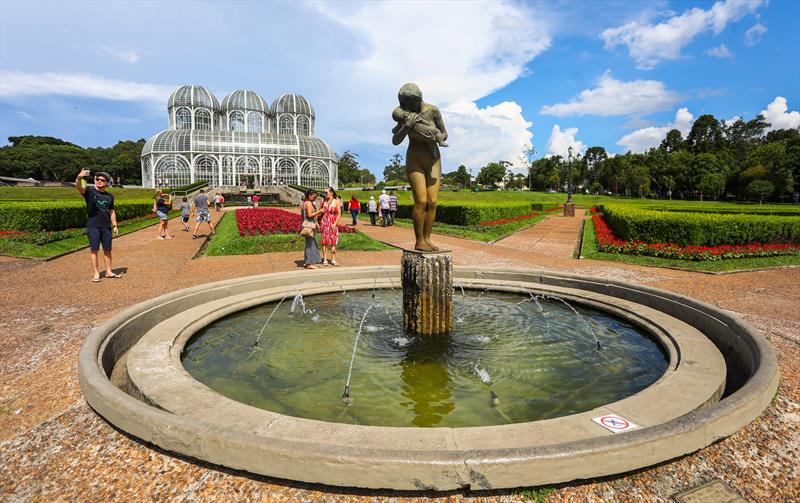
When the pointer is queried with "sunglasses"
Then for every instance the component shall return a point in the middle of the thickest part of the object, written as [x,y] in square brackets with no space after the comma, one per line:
[100,180]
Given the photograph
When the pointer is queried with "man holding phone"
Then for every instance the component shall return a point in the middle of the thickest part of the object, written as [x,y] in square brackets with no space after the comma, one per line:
[101,219]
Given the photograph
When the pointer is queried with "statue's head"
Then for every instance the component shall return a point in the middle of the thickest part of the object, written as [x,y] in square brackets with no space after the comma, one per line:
[410,97]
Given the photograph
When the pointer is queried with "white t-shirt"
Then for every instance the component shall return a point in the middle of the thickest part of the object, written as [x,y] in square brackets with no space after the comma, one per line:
[383,200]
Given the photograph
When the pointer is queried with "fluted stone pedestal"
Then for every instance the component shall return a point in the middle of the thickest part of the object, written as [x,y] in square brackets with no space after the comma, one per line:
[569,209]
[427,291]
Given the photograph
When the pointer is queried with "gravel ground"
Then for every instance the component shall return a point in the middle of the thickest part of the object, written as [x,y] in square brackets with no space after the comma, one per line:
[54,447]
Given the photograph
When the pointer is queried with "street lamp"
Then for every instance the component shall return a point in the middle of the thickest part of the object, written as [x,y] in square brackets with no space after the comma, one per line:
[569,176]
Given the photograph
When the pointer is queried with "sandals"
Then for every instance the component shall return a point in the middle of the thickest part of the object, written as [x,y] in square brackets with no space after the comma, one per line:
[95,280]
[113,275]
[333,263]
[325,263]
[311,266]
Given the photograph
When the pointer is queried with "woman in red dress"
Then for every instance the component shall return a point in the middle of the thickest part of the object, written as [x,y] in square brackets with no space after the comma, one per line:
[329,225]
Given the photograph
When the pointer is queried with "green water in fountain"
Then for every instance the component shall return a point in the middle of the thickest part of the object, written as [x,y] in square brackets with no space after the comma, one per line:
[540,362]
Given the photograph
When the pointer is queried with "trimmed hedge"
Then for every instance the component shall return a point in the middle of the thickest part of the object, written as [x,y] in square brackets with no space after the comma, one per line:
[472,213]
[693,228]
[727,210]
[59,215]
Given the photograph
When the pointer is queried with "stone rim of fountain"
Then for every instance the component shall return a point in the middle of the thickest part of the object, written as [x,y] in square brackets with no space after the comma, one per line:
[413,458]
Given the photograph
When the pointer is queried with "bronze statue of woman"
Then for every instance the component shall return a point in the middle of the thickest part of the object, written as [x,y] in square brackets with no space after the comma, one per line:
[423,125]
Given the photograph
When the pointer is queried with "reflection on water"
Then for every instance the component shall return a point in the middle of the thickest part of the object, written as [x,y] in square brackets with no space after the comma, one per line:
[505,362]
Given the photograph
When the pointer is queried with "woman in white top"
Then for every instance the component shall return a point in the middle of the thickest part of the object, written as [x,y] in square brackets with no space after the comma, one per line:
[372,209]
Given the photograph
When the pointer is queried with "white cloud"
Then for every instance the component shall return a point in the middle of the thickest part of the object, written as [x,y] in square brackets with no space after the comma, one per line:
[649,44]
[721,51]
[614,97]
[645,138]
[131,56]
[456,56]
[777,115]
[753,35]
[483,135]
[560,141]
[24,115]
[15,83]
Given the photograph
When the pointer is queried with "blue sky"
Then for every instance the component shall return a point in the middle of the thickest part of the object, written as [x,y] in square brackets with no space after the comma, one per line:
[618,74]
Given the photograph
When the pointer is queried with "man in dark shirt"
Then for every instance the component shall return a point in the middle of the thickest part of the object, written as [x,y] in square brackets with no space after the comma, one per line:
[101,219]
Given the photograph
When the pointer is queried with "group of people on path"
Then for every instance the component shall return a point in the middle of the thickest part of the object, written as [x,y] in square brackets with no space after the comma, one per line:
[386,203]
[198,209]
[325,220]
[101,219]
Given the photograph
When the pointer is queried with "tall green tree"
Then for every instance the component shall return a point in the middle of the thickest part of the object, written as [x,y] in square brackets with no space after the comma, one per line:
[705,135]
[395,170]
[349,169]
[672,142]
[462,177]
[492,173]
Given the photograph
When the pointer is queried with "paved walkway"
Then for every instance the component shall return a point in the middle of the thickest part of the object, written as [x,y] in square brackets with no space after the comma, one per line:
[53,446]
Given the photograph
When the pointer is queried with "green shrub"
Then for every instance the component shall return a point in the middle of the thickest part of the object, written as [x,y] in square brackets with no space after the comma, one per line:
[468,213]
[784,210]
[695,228]
[59,215]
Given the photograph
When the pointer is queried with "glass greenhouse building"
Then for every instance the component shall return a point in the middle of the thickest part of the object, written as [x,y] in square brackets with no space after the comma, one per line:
[239,142]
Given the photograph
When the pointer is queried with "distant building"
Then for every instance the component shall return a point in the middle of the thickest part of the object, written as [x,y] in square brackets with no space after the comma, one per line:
[19,182]
[240,142]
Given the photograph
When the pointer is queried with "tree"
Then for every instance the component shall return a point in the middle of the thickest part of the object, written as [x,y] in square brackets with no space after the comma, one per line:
[673,141]
[705,135]
[761,189]
[712,184]
[395,170]
[349,169]
[492,173]
[462,177]
[669,183]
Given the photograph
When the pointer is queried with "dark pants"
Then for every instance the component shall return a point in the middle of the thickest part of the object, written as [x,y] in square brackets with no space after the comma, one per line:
[372,216]
[355,214]
[392,213]
[385,215]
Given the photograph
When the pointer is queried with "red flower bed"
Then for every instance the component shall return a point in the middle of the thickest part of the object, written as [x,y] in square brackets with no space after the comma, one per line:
[253,221]
[607,241]
[551,210]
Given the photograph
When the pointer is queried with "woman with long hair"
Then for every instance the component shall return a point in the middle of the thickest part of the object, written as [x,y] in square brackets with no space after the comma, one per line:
[161,207]
[309,215]
[331,212]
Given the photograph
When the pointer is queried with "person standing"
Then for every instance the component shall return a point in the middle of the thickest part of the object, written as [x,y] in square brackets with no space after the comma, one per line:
[250,201]
[185,211]
[161,207]
[200,210]
[392,207]
[331,212]
[217,202]
[101,221]
[383,202]
[309,214]
[355,207]
[372,209]
[255,200]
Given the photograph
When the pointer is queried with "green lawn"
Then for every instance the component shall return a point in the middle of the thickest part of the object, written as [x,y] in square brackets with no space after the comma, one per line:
[485,234]
[229,242]
[58,248]
[60,193]
[589,251]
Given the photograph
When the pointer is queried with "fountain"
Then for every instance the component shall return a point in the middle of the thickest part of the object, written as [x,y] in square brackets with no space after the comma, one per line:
[510,395]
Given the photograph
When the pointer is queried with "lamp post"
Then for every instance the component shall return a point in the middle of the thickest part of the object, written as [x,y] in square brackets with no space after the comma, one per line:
[569,176]
[569,206]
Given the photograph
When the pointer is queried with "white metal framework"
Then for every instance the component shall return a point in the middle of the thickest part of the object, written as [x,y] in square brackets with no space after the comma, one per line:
[242,140]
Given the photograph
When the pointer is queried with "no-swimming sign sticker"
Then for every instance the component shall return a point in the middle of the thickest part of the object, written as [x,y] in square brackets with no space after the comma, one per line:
[614,423]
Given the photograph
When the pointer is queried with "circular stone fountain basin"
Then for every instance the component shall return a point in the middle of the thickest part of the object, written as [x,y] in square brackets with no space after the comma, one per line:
[508,359]
[162,403]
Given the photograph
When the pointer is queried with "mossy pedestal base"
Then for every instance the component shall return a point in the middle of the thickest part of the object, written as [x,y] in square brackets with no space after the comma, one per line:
[427,291]
[569,209]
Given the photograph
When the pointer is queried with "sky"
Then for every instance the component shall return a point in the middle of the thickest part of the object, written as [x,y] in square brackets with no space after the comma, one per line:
[507,75]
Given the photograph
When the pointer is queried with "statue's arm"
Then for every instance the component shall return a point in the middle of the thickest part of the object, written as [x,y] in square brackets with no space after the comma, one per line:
[437,118]
[399,135]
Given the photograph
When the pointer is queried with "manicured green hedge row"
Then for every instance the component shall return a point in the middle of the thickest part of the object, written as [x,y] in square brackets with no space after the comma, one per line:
[692,228]
[463,213]
[743,210]
[58,215]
